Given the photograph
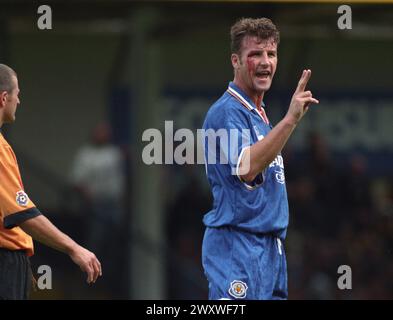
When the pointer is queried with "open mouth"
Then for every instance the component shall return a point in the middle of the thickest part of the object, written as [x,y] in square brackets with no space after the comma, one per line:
[263,74]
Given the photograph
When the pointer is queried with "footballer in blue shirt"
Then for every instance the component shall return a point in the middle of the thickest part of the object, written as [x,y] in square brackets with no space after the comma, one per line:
[242,253]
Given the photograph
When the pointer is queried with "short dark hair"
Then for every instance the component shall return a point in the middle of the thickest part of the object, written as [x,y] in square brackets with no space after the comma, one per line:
[262,28]
[6,74]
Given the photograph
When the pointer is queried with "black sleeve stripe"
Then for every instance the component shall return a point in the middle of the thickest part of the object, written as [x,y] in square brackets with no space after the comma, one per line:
[17,218]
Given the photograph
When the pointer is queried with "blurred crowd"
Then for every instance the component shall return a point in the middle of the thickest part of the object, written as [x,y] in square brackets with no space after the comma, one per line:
[94,212]
[98,174]
[339,215]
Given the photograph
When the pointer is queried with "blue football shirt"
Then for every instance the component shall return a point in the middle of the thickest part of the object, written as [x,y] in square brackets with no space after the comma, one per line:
[232,124]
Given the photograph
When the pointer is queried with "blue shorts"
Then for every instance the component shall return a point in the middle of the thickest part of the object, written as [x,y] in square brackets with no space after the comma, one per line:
[240,265]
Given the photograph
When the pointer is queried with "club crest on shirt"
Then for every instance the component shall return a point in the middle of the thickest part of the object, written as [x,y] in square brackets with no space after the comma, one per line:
[22,198]
[238,289]
[278,164]
[280,176]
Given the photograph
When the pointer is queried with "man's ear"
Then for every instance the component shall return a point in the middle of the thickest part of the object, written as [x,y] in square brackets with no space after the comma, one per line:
[3,98]
[235,59]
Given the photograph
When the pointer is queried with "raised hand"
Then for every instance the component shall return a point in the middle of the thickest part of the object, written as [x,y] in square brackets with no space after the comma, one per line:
[301,99]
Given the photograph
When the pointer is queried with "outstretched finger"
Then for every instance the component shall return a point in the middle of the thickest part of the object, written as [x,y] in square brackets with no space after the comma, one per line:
[304,94]
[303,80]
[310,100]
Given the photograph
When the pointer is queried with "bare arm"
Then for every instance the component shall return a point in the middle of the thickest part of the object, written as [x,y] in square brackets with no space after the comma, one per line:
[42,230]
[257,157]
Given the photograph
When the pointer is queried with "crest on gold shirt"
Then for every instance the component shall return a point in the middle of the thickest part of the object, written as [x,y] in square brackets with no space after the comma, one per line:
[22,198]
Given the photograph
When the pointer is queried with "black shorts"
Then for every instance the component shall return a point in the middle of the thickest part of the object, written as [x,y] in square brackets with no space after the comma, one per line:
[15,275]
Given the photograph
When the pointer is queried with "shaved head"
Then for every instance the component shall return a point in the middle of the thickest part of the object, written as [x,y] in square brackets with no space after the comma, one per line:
[6,78]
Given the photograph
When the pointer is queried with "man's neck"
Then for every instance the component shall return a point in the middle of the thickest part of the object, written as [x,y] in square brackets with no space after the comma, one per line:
[256,98]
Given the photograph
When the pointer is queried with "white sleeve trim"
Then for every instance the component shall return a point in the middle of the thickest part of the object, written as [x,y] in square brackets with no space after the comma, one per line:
[239,161]
[249,187]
